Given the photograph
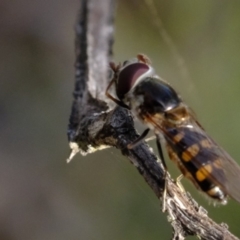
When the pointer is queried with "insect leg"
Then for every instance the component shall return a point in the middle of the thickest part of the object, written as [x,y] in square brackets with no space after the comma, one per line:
[118,102]
[161,153]
[138,140]
[165,177]
[179,184]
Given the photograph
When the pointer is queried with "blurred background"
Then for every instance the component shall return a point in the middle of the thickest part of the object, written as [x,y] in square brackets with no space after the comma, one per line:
[102,196]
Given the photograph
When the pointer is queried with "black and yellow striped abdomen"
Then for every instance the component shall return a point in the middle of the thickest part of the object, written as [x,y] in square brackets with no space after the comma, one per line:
[198,158]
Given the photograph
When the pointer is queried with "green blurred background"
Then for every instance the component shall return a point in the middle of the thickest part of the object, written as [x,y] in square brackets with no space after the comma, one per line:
[101,196]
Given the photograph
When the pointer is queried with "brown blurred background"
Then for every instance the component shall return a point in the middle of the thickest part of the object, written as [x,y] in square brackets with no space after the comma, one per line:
[101,196]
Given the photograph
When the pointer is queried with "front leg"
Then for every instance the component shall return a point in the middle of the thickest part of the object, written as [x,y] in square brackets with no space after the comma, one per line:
[138,140]
[117,101]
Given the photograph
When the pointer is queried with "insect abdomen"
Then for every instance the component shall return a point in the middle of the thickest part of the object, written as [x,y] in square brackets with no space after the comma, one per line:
[198,159]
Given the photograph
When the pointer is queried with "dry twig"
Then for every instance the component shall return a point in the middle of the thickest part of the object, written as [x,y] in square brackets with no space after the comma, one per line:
[91,126]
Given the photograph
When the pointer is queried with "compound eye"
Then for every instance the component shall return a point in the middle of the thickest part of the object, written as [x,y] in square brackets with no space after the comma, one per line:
[128,76]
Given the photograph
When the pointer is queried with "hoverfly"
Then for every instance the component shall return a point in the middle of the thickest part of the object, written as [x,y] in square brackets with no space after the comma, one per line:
[157,105]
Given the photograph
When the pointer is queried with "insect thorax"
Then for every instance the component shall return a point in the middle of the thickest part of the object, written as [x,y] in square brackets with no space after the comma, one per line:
[156,99]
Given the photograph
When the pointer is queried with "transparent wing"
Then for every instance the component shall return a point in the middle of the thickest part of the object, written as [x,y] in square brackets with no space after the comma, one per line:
[229,166]
[226,173]
[232,174]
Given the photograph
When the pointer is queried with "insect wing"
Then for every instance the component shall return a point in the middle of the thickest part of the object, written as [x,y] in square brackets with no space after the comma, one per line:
[224,171]
[232,174]
[231,169]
